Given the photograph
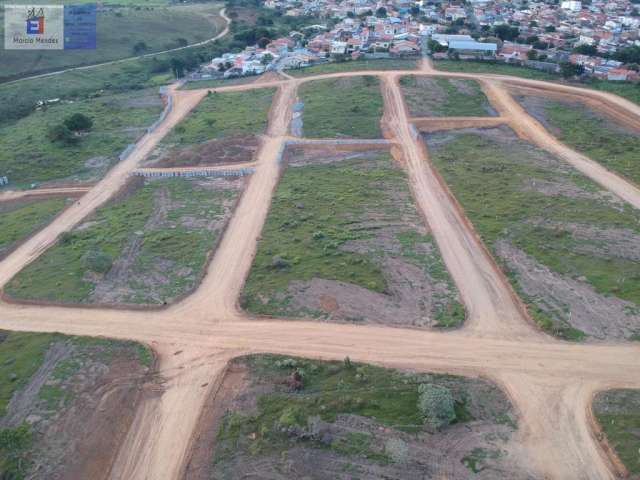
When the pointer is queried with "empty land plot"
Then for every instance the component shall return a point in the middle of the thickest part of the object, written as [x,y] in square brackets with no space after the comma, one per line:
[20,218]
[299,418]
[354,65]
[343,241]
[569,247]
[441,97]
[618,413]
[121,32]
[29,153]
[66,403]
[343,107]
[223,128]
[590,132]
[149,246]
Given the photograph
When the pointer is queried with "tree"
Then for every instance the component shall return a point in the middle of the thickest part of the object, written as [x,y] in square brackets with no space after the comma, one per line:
[436,46]
[533,24]
[60,133]
[414,10]
[585,49]
[381,12]
[78,122]
[569,70]
[532,54]
[266,59]
[177,67]
[97,261]
[628,55]
[140,47]
[505,32]
[549,29]
[436,405]
[263,42]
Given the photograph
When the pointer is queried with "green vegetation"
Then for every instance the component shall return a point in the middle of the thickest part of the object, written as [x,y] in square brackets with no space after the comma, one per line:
[595,136]
[22,218]
[349,107]
[474,66]
[354,65]
[119,29]
[628,90]
[21,355]
[224,114]
[489,179]
[317,210]
[618,413]
[303,390]
[29,155]
[436,405]
[178,242]
[443,97]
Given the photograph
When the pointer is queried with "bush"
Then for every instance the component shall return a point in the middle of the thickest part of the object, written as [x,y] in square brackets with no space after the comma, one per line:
[60,133]
[78,122]
[97,261]
[436,405]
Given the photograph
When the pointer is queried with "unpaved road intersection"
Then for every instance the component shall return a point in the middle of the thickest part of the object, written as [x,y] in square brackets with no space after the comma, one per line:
[550,382]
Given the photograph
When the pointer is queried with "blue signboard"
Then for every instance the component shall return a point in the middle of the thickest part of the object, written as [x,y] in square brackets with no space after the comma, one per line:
[80,26]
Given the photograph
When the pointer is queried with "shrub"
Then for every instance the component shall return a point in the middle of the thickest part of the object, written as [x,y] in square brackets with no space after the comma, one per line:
[97,261]
[78,122]
[60,133]
[436,405]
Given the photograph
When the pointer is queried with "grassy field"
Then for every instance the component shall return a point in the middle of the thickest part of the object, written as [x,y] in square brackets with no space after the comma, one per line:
[172,244]
[618,413]
[630,91]
[597,137]
[316,212]
[347,107]
[441,97]
[472,66]
[329,390]
[224,114]
[21,355]
[28,156]
[20,219]
[495,183]
[335,67]
[118,30]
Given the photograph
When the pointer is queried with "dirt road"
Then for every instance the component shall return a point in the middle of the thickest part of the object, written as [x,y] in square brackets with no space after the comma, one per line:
[43,192]
[550,382]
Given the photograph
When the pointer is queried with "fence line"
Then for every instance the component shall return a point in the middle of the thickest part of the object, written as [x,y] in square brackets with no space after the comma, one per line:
[241,172]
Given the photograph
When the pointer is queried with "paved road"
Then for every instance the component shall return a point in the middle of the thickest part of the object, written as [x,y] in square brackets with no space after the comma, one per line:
[550,382]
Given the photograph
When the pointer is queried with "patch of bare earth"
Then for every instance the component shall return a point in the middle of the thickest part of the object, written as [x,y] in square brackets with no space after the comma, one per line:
[227,150]
[575,301]
[309,451]
[78,435]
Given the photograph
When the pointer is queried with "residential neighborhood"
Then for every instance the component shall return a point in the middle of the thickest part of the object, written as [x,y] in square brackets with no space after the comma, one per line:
[594,37]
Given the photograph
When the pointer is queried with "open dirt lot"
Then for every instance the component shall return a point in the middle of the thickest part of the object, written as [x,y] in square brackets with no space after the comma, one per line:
[344,242]
[320,434]
[71,407]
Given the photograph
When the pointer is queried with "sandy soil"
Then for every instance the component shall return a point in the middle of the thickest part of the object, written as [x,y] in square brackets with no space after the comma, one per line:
[228,150]
[550,383]
[80,437]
